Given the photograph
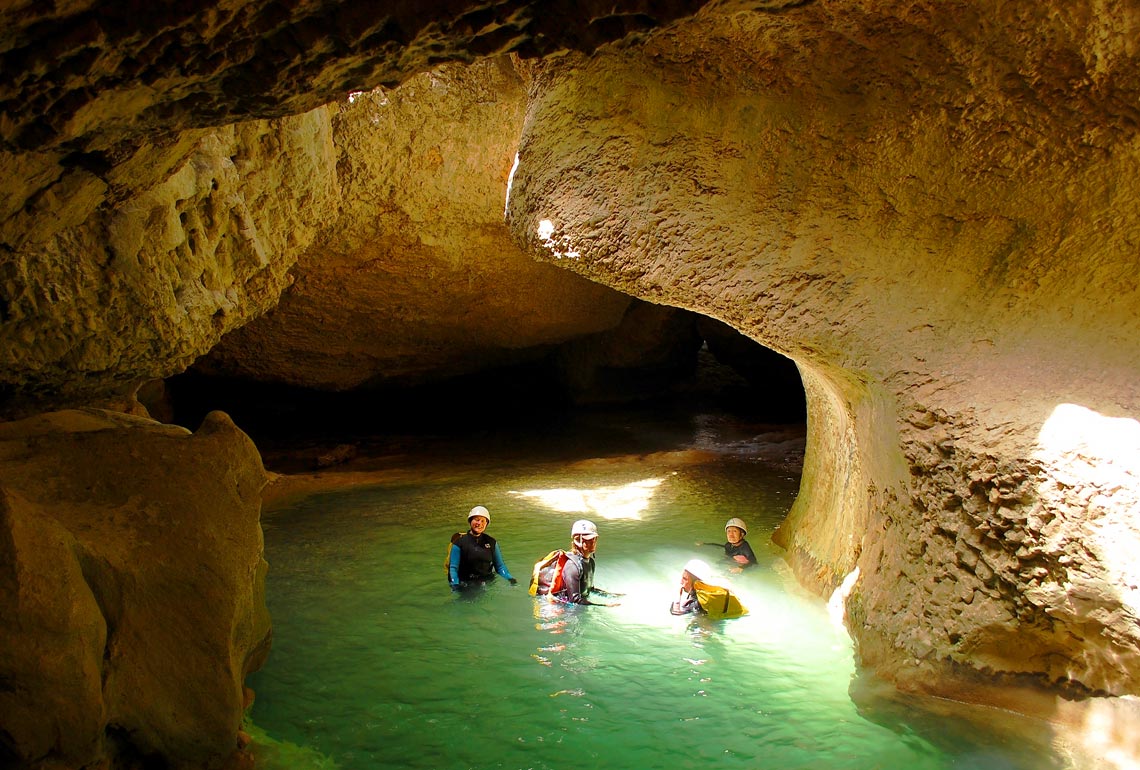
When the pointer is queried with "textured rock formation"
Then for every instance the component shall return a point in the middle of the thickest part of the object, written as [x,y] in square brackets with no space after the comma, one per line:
[81,76]
[417,278]
[118,123]
[96,298]
[131,589]
[931,207]
[932,210]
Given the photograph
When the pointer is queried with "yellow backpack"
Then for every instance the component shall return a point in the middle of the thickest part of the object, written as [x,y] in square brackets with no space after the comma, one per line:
[718,602]
[546,577]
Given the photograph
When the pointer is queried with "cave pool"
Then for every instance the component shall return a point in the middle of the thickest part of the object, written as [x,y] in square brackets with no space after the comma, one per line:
[376,664]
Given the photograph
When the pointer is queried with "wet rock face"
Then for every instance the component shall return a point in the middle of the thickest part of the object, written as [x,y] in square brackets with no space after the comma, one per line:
[132,588]
[911,203]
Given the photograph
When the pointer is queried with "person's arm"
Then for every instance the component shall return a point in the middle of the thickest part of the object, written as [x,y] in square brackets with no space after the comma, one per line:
[500,565]
[453,568]
[747,552]
[685,604]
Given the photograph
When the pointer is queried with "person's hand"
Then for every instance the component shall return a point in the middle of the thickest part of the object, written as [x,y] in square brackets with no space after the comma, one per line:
[514,582]
[740,558]
[700,542]
[736,570]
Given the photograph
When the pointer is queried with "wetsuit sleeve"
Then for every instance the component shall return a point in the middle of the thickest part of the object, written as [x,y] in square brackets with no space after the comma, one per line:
[453,566]
[500,565]
[748,552]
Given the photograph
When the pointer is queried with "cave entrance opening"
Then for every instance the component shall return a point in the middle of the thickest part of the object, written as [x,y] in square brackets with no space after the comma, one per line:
[689,369]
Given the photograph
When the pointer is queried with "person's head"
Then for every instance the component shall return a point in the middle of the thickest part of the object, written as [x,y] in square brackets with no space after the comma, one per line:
[584,536]
[478,519]
[735,530]
[695,570]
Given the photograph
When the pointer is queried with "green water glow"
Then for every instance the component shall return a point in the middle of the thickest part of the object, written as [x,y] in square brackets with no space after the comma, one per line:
[376,664]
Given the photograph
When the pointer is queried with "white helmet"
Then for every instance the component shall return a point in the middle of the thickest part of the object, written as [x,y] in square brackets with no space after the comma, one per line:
[738,523]
[698,569]
[585,528]
[479,510]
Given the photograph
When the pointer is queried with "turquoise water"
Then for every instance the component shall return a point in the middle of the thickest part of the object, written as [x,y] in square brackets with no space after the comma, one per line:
[376,664]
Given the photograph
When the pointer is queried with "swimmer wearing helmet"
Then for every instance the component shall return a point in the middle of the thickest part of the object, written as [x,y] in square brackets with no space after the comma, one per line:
[737,548]
[687,603]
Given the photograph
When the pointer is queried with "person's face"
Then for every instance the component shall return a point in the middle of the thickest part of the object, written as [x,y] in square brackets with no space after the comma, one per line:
[735,535]
[585,545]
[478,524]
[687,582]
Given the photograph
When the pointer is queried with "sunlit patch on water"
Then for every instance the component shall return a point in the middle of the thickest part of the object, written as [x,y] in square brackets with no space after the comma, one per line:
[376,664]
[622,501]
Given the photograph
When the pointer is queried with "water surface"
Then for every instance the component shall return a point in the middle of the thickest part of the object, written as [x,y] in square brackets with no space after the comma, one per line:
[376,664]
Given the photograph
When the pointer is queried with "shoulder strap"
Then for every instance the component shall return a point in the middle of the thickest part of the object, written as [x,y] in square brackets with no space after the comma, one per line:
[447,556]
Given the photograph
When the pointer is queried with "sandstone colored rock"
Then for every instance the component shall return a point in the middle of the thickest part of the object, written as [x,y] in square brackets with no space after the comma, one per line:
[80,77]
[417,279]
[930,207]
[931,210]
[132,590]
[140,288]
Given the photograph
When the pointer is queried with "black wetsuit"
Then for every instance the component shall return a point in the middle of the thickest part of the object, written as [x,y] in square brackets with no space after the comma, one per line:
[476,559]
[740,549]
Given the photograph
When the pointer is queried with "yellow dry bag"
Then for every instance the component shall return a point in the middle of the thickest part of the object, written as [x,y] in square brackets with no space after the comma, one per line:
[718,602]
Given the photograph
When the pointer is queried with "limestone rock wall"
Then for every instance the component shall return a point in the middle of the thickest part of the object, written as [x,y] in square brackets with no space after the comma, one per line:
[98,294]
[932,209]
[118,123]
[929,206]
[87,79]
[416,277]
[132,589]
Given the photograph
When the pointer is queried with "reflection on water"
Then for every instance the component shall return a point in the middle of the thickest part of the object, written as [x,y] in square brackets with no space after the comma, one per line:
[377,664]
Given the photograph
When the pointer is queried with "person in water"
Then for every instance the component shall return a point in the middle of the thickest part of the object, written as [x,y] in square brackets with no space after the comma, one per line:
[578,570]
[687,603]
[475,556]
[737,548]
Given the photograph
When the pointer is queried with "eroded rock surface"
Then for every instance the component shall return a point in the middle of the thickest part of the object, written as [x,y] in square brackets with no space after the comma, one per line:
[417,278]
[119,124]
[132,588]
[97,298]
[932,210]
[930,207]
